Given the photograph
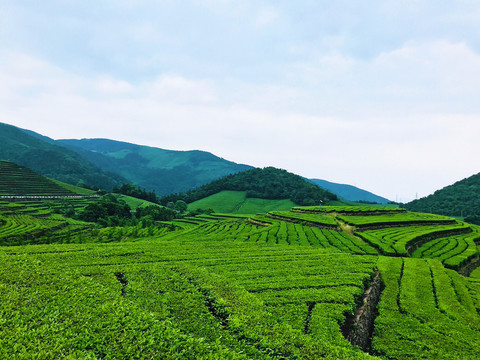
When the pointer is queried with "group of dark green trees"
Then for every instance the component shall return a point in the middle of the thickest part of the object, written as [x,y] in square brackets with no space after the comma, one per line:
[110,211]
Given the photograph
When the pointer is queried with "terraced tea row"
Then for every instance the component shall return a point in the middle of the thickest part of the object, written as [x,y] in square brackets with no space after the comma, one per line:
[310,219]
[395,220]
[349,210]
[403,241]
[279,232]
[200,291]
[425,311]
[16,180]
[400,234]
[453,251]
[265,302]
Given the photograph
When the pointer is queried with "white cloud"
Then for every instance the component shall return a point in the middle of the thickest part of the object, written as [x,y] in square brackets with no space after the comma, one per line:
[402,153]
[382,95]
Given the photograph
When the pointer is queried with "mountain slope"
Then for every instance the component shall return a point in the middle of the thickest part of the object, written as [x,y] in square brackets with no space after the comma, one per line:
[459,199]
[165,171]
[266,183]
[44,157]
[349,192]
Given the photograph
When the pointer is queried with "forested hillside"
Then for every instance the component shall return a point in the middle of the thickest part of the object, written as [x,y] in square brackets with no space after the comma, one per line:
[460,199]
[266,183]
[160,170]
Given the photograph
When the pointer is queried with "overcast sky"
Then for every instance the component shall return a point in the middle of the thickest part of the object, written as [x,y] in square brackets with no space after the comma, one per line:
[384,95]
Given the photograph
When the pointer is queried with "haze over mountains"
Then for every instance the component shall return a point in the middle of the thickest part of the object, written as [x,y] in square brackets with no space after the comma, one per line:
[107,163]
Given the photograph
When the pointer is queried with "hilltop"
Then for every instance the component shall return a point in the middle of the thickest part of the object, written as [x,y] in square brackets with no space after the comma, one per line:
[460,199]
[267,183]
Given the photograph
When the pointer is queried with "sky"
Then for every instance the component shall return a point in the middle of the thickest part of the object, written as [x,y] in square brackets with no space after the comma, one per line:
[383,95]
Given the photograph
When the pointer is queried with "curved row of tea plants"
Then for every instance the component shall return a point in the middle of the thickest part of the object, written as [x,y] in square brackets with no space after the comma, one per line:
[176,299]
[425,311]
[350,210]
[16,180]
[395,220]
[279,232]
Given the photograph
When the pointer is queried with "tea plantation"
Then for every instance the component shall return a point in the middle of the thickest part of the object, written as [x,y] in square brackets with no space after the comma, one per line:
[330,282]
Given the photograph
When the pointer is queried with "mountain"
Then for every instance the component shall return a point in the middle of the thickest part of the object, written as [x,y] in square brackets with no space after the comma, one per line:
[459,199]
[267,183]
[349,192]
[43,156]
[107,163]
[164,171]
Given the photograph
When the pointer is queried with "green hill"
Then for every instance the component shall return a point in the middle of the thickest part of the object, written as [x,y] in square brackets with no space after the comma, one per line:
[267,183]
[236,202]
[461,199]
[16,180]
[164,171]
[56,162]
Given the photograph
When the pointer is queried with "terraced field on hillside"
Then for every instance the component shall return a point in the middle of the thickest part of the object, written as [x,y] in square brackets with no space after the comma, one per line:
[16,180]
[338,283]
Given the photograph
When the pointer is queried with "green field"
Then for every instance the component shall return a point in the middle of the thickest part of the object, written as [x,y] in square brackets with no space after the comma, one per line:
[134,202]
[276,285]
[236,202]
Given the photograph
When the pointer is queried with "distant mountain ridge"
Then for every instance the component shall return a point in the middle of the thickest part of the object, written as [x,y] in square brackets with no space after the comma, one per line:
[164,171]
[349,192]
[108,163]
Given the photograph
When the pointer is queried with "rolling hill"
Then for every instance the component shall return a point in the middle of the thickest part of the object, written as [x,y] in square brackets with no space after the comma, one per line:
[164,171]
[267,183]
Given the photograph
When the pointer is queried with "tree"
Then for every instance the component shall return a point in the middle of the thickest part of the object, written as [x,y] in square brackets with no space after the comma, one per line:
[181,206]
[106,207]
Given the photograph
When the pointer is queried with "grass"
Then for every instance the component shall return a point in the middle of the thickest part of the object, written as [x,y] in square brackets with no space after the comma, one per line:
[236,202]
[75,189]
[134,203]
